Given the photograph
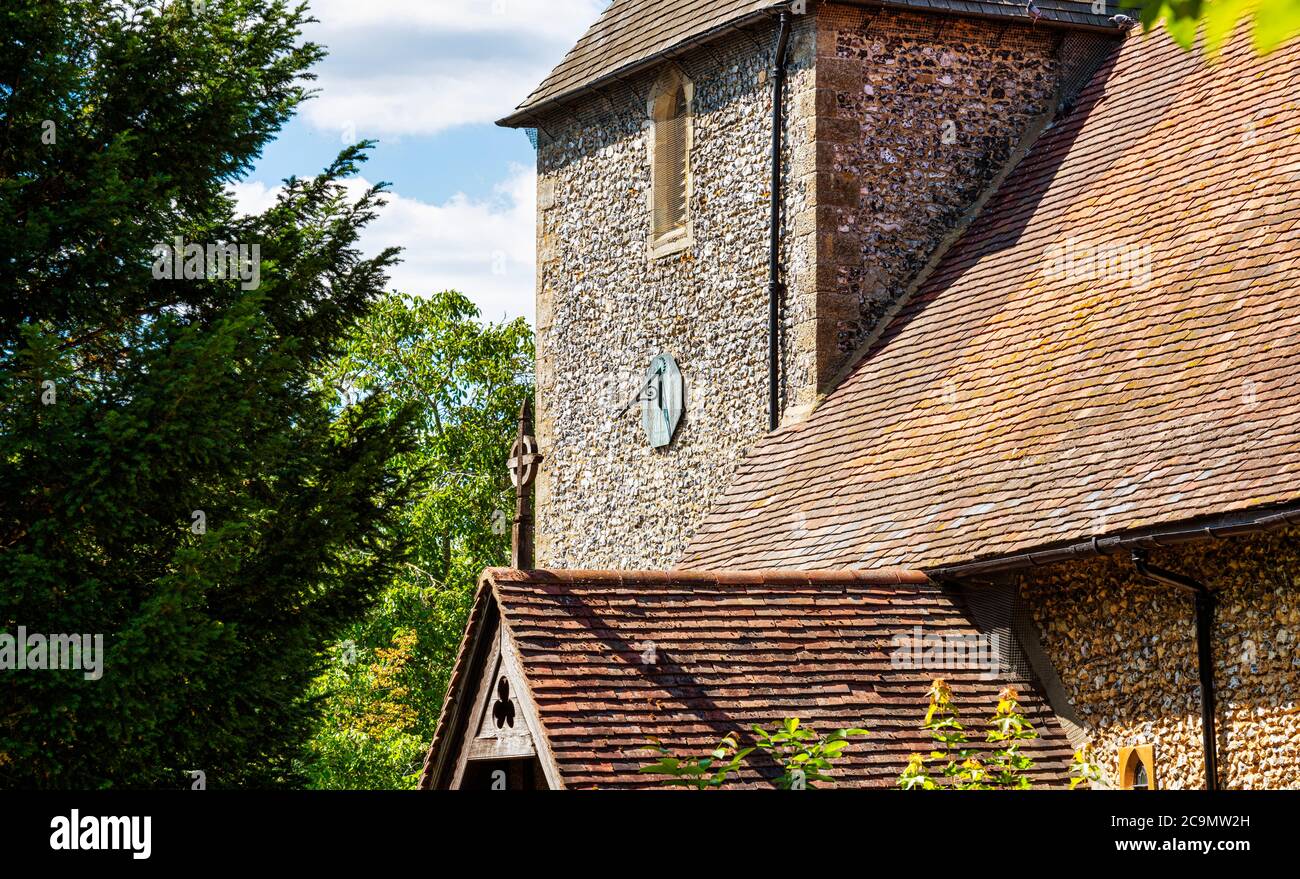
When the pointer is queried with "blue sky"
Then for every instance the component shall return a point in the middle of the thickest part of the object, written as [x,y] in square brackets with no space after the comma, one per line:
[427,78]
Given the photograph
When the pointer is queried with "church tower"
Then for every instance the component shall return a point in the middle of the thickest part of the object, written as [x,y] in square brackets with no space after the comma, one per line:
[671,311]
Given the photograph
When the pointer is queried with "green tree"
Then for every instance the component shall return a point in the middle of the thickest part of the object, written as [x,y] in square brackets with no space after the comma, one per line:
[172,475]
[465,380]
[1274,21]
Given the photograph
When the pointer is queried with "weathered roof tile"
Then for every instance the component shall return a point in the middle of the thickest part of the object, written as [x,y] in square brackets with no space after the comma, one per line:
[1014,403]
[632,32]
[614,659]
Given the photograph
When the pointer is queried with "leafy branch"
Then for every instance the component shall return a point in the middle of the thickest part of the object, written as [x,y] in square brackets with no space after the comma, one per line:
[702,773]
[1275,21]
[1084,769]
[962,769]
[803,756]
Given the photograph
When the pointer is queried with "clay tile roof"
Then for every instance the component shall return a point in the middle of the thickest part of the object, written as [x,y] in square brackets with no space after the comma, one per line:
[631,33]
[1013,403]
[731,650]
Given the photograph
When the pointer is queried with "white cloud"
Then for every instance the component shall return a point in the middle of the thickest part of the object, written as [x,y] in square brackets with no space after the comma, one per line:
[414,67]
[253,196]
[483,248]
[419,67]
[542,19]
[417,102]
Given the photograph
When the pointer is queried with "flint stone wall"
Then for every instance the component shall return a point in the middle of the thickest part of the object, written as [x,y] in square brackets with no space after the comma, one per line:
[1125,651]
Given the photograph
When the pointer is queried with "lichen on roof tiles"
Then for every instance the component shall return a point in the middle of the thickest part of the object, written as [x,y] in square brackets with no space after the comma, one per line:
[614,659]
[1114,340]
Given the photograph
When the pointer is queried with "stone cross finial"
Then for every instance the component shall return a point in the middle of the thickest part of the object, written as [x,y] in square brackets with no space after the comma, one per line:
[523,463]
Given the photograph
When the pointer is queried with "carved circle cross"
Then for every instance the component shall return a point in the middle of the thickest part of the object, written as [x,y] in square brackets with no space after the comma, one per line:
[523,461]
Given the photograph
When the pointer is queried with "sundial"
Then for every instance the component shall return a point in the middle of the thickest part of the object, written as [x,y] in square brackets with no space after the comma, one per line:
[661,400]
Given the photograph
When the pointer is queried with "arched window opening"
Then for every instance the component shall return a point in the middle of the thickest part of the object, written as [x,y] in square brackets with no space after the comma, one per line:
[671,118]
[1137,768]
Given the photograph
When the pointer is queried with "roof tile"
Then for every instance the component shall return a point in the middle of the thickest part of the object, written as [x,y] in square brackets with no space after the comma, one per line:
[729,651]
[631,32]
[1014,402]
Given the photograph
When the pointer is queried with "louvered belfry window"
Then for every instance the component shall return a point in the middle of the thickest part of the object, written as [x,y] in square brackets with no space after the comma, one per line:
[671,118]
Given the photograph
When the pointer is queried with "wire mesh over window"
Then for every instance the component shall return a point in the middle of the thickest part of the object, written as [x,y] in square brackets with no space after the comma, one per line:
[670,158]
[998,609]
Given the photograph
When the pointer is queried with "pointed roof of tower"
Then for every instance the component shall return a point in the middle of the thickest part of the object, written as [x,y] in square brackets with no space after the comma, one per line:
[632,34]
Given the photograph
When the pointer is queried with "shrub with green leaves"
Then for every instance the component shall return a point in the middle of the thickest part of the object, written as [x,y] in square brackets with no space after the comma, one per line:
[959,766]
[804,756]
[700,773]
[1085,769]
[1008,728]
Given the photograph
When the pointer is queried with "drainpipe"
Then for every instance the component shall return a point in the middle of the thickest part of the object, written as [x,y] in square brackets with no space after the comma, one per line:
[775,290]
[1204,657]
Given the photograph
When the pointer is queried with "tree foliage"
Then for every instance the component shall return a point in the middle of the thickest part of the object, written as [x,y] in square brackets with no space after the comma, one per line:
[1274,22]
[700,773]
[173,475]
[465,382]
[805,757]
